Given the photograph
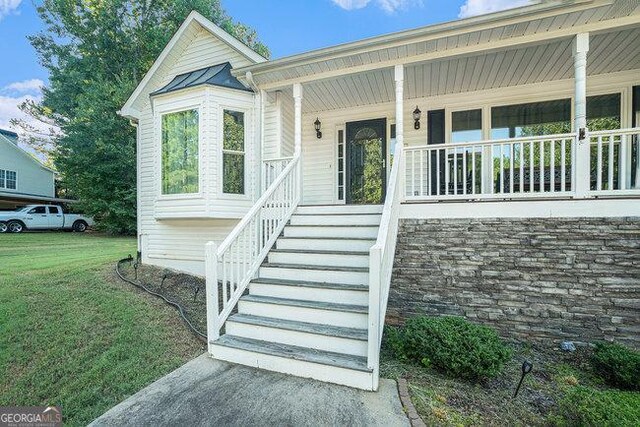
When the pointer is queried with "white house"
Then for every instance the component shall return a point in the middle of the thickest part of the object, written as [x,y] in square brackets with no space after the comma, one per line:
[300,171]
[23,179]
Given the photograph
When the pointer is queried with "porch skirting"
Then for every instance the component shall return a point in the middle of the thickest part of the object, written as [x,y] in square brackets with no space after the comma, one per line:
[538,279]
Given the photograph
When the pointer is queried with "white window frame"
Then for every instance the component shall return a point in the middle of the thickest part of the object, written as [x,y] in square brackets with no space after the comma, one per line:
[247,126]
[15,180]
[4,179]
[178,107]
[337,200]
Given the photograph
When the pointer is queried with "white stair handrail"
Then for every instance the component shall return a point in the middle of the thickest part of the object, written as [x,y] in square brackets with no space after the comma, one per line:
[231,265]
[381,256]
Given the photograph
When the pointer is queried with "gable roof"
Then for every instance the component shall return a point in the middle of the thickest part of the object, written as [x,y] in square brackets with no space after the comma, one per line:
[194,18]
[8,138]
[216,75]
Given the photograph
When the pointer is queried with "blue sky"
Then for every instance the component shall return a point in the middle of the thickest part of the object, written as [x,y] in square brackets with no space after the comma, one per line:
[287,27]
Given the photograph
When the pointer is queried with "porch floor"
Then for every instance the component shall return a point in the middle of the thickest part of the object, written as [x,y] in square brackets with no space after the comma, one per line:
[211,392]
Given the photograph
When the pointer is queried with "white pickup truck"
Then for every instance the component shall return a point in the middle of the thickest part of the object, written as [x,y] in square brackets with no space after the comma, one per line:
[42,217]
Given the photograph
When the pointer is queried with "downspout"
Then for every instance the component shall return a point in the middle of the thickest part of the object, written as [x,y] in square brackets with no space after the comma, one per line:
[141,249]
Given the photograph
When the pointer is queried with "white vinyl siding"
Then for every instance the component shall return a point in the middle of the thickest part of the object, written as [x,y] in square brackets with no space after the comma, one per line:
[173,229]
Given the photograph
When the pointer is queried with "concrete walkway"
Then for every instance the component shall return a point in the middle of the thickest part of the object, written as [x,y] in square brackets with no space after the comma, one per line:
[215,393]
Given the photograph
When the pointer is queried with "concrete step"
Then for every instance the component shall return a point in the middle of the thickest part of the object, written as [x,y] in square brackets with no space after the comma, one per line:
[325,244]
[315,273]
[325,366]
[309,335]
[325,313]
[311,291]
[310,231]
[338,209]
[336,219]
[319,257]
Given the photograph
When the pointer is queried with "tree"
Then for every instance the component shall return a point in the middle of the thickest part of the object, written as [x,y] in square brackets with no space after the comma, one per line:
[96,52]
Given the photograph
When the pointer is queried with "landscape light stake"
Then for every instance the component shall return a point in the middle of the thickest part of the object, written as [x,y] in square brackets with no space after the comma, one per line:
[526,368]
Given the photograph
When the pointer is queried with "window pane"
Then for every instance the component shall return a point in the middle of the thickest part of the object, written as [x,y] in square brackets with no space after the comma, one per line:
[53,210]
[233,180]
[466,126]
[180,152]
[233,131]
[533,119]
[11,180]
[603,112]
[38,210]
[1,178]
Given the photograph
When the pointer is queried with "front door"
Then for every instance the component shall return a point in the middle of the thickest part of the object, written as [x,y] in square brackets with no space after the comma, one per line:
[366,161]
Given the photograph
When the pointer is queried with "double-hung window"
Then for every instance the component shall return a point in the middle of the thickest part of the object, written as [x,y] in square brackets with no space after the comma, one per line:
[8,179]
[180,152]
[233,153]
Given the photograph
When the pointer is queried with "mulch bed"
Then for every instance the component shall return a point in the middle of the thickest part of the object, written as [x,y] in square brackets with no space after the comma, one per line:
[184,289]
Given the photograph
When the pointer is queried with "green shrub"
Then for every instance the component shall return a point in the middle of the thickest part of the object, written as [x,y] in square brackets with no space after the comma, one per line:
[584,406]
[394,341]
[618,365]
[452,345]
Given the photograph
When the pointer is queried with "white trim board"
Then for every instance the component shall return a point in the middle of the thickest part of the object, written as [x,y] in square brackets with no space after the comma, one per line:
[589,208]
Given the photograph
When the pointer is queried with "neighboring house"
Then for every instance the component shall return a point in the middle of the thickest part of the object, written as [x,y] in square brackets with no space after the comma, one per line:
[504,148]
[23,179]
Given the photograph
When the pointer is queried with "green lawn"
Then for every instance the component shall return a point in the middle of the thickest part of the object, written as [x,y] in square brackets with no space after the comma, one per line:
[71,334]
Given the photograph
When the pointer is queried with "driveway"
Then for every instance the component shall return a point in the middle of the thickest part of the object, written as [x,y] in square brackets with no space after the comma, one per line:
[215,393]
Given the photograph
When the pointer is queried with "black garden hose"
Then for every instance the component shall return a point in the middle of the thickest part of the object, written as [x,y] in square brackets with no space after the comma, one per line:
[202,337]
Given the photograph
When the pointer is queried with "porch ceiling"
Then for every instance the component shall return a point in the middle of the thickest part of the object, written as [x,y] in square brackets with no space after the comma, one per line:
[609,52]
[545,21]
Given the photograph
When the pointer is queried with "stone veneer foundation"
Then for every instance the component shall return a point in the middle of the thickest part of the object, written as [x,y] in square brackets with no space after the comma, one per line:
[540,279]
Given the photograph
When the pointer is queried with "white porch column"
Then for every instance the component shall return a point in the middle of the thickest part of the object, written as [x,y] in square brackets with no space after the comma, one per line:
[297,131]
[582,160]
[399,80]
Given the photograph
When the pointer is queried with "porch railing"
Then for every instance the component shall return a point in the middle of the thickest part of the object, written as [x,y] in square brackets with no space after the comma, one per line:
[230,266]
[531,167]
[381,256]
[271,169]
[615,162]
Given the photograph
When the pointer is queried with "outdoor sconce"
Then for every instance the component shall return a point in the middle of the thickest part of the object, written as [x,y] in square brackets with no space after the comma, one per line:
[317,125]
[416,118]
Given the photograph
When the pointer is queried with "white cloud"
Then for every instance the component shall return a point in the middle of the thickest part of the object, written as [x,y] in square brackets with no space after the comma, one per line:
[25,86]
[480,7]
[8,6]
[9,110]
[389,6]
[350,4]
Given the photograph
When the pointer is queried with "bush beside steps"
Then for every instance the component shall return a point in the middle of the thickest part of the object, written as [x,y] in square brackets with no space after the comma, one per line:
[618,365]
[450,344]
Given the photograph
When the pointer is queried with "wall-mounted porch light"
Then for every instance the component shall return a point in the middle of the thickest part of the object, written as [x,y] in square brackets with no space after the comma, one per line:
[317,125]
[416,118]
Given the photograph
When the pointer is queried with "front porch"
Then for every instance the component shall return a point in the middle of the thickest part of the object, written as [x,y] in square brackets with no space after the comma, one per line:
[533,121]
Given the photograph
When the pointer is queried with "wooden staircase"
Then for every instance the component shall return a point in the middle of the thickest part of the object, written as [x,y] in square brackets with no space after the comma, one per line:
[306,313]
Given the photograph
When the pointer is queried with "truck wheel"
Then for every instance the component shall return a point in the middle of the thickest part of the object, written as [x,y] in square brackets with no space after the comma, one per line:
[80,226]
[3,227]
[15,227]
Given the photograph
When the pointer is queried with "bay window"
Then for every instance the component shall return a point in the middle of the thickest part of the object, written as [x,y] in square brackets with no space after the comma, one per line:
[180,135]
[233,153]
